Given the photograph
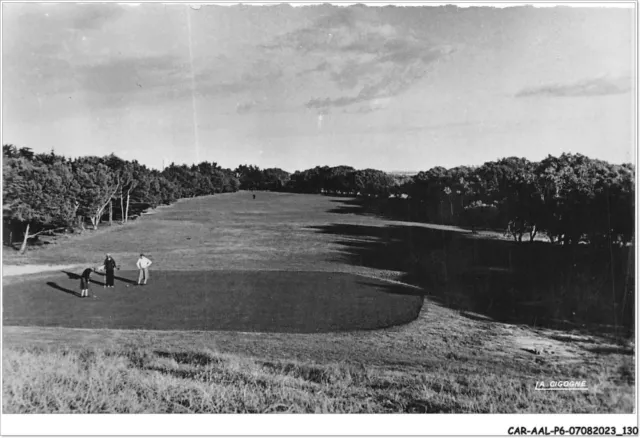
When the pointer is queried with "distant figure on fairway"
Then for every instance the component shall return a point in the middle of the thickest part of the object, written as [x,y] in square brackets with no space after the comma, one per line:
[143,265]
[254,196]
[84,282]
[109,267]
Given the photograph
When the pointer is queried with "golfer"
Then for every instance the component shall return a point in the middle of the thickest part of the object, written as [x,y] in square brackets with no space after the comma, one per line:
[143,265]
[84,282]
[109,267]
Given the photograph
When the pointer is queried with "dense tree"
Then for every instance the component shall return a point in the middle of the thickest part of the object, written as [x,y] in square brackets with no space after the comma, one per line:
[250,177]
[274,179]
[38,196]
[509,184]
[373,183]
[569,198]
[43,191]
[340,180]
[98,186]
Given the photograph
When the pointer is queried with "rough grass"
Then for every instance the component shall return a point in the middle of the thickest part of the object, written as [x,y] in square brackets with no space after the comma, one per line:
[140,380]
[447,360]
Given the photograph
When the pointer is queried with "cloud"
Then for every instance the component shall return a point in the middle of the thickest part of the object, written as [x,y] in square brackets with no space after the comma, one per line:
[396,74]
[361,53]
[127,74]
[245,107]
[371,106]
[259,75]
[602,86]
[322,67]
[62,17]
[252,105]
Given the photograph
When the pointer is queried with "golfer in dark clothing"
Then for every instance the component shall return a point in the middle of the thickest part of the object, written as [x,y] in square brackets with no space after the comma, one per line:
[109,267]
[85,278]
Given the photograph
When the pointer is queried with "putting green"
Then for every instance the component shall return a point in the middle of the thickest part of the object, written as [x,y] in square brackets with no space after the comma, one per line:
[264,301]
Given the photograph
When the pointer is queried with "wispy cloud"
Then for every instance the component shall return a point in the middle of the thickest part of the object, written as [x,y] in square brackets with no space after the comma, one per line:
[322,67]
[591,87]
[257,76]
[253,105]
[393,77]
[372,59]
[63,17]
[127,74]
[370,106]
[245,107]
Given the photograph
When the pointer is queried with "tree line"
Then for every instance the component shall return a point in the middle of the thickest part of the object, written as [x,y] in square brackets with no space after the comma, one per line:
[48,192]
[570,198]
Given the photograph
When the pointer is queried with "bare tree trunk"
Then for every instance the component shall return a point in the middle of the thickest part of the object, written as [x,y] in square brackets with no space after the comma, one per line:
[111,212]
[24,241]
[122,217]
[126,215]
[75,209]
[533,233]
[98,214]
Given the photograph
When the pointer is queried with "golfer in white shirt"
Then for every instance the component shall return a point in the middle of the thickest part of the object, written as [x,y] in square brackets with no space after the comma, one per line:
[143,265]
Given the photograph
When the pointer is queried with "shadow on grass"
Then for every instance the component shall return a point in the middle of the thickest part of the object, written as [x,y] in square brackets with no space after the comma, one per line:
[62,289]
[247,301]
[612,350]
[392,208]
[535,284]
[122,279]
[73,276]
[195,358]
[571,339]
[395,289]
[348,206]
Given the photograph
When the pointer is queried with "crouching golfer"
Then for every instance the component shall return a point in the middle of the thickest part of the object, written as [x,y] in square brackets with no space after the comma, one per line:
[85,278]
[143,265]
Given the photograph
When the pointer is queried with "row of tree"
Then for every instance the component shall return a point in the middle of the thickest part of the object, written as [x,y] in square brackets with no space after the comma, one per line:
[571,198]
[46,192]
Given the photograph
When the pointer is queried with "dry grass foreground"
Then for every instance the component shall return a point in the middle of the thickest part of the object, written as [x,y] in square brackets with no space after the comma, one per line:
[444,361]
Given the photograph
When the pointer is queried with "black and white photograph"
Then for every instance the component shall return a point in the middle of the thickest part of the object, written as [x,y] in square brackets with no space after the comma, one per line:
[310,208]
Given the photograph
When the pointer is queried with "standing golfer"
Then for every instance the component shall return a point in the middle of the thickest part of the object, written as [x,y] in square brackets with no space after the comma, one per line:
[143,265]
[84,282]
[109,267]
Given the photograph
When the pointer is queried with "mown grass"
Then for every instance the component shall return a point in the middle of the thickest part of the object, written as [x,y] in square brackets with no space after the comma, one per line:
[264,301]
[450,359]
[222,232]
[134,380]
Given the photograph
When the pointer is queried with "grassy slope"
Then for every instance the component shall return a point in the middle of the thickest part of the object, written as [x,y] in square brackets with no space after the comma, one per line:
[445,361]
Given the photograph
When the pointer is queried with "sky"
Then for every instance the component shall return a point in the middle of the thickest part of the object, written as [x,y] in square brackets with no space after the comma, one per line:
[391,88]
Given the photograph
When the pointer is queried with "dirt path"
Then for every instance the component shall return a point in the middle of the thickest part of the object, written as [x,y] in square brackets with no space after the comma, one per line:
[13,270]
